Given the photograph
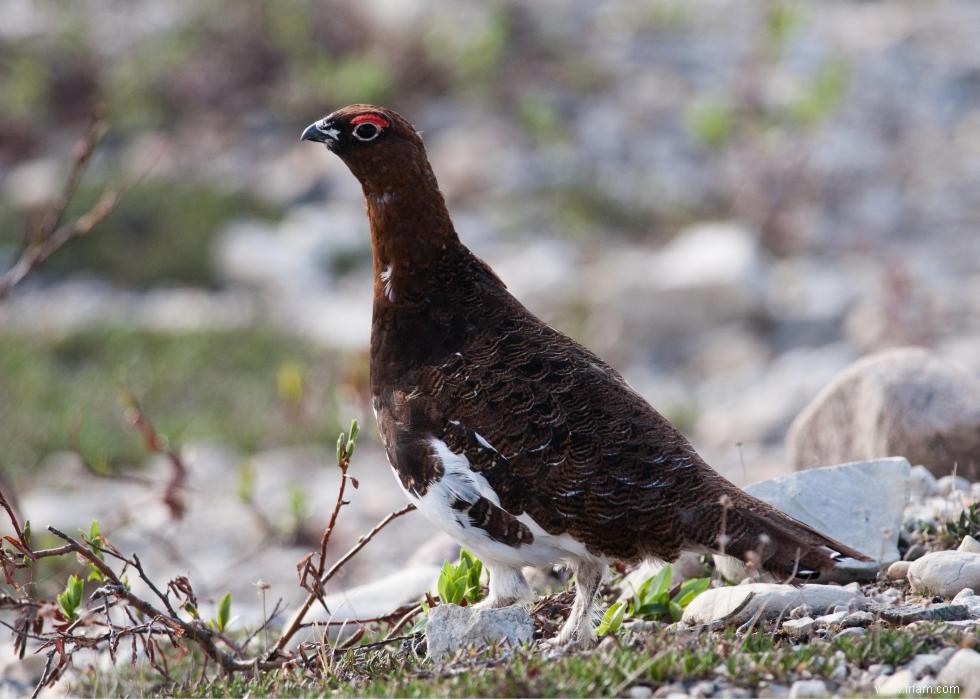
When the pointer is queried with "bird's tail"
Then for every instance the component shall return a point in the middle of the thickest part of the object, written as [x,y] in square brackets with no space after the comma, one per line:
[762,536]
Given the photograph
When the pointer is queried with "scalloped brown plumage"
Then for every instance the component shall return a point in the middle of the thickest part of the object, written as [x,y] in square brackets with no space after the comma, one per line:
[513,437]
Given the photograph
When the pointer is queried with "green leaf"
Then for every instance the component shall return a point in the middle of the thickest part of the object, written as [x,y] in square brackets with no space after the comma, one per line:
[95,538]
[352,440]
[341,443]
[27,532]
[691,589]
[612,619]
[224,612]
[675,611]
[656,588]
[71,599]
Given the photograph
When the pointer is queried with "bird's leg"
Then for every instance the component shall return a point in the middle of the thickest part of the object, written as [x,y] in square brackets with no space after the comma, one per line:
[507,587]
[580,627]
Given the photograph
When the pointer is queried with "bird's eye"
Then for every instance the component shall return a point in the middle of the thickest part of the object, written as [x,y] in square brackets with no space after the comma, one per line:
[366,132]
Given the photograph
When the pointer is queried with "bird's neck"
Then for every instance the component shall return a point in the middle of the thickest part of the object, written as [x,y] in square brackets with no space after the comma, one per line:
[411,232]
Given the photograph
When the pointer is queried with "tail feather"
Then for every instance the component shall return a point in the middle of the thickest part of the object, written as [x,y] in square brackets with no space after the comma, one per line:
[758,532]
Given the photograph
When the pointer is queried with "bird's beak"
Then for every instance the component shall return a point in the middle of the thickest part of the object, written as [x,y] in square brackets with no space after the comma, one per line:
[321,132]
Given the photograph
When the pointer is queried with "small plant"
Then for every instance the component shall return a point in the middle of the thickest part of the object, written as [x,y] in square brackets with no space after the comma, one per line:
[460,583]
[94,539]
[70,601]
[654,601]
[611,620]
[223,618]
[968,524]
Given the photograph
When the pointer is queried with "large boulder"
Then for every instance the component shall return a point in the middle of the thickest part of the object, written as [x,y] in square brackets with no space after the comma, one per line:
[901,402]
[859,504]
[741,603]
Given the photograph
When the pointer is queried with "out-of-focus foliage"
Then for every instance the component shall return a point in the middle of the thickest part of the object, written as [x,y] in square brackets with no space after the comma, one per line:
[213,385]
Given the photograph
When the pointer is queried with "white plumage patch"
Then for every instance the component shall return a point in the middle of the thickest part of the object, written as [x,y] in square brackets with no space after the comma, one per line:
[459,481]
[386,283]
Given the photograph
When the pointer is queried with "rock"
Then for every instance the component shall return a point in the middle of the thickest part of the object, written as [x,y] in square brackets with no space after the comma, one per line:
[851,632]
[808,688]
[945,573]
[859,619]
[774,691]
[915,552]
[926,664]
[895,684]
[938,612]
[922,483]
[901,402]
[739,604]
[639,692]
[831,620]
[800,612]
[970,600]
[450,628]
[898,570]
[963,670]
[947,485]
[969,544]
[859,504]
[798,628]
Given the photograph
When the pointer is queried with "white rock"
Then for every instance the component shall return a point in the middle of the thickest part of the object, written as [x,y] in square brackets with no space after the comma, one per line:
[923,483]
[738,604]
[451,627]
[947,485]
[859,504]
[640,692]
[945,573]
[969,544]
[894,684]
[902,402]
[828,620]
[970,600]
[963,670]
[808,688]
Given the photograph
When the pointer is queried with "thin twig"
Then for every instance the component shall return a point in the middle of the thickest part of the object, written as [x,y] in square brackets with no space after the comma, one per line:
[294,624]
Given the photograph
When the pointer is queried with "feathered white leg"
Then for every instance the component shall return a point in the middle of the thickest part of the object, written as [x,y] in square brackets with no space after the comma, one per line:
[579,630]
[507,587]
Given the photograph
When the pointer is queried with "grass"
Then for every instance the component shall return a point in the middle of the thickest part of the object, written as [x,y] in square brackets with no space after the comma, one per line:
[224,385]
[653,659]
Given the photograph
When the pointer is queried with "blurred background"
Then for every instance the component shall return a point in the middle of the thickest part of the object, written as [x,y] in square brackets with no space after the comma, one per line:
[729,200]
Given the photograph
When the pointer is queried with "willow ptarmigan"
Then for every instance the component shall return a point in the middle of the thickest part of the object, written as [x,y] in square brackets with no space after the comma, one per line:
[522,444]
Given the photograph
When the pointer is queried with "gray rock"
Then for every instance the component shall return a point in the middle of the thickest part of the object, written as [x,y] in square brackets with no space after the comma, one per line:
[855,619]
[967,597]
[859,504]
[963,670]
[851,632]
[639,692]
[808,688]
[774,691]
[901,402]
[798,628]
[450,628]
[926,664]
[922,482]
[945,573]
[937,612]
[969,544]
[741,603]
[915,552]
[898,570]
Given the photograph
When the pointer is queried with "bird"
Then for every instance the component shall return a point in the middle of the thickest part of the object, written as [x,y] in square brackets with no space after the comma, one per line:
[519,442]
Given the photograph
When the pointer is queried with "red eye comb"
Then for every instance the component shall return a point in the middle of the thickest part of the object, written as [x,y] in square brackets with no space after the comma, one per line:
[378,121]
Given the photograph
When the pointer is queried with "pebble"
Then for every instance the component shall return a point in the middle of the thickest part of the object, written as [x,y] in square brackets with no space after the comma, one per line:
[799,628]
[898,570]
[800,612]
[830,620]
[808,688]
[774,691]
[915,552]
[967,597]
[926,664]
[859,619]
[911,613]
[640,692]
[969,544]
[947,485]
[851,632]
[922,483]
[895,684]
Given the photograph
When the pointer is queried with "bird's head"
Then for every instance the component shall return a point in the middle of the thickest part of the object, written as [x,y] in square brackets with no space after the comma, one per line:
[378,145]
